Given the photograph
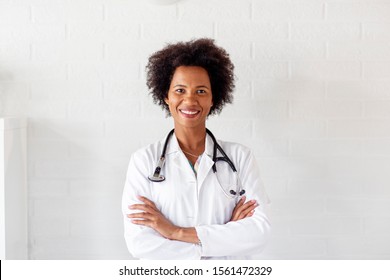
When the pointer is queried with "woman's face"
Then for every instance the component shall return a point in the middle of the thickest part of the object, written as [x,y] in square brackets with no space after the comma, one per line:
[189,97]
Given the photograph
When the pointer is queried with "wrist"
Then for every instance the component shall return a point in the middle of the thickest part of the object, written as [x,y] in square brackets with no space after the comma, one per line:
[186,235]
[177,233]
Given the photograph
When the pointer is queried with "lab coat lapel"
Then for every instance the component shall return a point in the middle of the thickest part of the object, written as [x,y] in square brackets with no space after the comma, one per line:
[178,159]
[206,162]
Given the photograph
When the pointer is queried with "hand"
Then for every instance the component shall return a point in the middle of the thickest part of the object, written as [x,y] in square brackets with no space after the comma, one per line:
[153,218]
[243,210]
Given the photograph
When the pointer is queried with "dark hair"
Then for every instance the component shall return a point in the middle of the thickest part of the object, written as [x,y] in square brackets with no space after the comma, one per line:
[201,52]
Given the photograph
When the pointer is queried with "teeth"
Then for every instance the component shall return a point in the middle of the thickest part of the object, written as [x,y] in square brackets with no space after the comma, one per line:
[189,112]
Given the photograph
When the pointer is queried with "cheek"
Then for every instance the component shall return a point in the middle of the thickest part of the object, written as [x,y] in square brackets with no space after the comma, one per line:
[171,105]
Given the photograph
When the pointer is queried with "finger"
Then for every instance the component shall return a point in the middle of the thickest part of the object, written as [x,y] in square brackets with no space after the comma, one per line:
[242,200]
[142,207]
[234,217]
[236,208]
[141,215]
[147,201]
[244,213]
[244,209]
[247,210]
[250,214]
[142,223]
[245,206]
[239,204]
[248,204]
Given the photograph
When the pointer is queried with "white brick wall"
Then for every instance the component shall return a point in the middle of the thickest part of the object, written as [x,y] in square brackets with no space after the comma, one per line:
[312,101]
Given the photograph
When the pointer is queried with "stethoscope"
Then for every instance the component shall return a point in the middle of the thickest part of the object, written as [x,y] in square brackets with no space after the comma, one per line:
[157,177]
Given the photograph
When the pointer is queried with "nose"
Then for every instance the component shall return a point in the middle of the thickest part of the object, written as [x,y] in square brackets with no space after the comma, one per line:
[190,98]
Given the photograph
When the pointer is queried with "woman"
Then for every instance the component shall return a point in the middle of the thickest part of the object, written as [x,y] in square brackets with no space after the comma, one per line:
[193,212]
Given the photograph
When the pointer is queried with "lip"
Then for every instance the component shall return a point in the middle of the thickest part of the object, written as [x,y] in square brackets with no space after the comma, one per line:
[189,113]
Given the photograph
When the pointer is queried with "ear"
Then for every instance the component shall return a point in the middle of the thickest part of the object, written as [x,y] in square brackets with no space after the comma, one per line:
[166,100]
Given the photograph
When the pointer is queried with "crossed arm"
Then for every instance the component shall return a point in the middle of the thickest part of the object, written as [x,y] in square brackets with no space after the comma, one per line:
[151,217]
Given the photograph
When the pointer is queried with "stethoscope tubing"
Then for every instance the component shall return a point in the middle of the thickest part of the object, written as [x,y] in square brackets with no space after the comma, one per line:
[157,177]
[217,147]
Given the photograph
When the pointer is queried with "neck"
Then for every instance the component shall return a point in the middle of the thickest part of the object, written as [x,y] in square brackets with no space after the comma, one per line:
[191,139]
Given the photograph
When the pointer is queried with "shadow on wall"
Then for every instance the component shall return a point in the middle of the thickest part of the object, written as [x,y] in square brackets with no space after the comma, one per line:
[76,180]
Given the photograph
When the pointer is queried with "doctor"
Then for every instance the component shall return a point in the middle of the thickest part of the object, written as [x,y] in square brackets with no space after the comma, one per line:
[193,213]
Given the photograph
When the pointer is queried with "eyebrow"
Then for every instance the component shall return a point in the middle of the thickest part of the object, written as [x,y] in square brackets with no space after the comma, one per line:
[179,85]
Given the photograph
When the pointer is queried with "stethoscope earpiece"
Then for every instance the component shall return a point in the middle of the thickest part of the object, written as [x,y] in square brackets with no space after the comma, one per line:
[232,192]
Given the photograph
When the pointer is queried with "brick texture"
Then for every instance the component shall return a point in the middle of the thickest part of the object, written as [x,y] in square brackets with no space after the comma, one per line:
[312,101]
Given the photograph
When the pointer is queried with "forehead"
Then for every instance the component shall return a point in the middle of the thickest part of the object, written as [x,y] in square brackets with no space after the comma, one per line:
[190,75]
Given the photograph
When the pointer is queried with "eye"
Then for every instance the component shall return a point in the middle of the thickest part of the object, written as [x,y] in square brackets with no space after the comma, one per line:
[179,90]
[201,91]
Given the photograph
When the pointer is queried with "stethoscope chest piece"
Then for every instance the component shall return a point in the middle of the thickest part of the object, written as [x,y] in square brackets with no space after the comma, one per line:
[159,178]
[156,176]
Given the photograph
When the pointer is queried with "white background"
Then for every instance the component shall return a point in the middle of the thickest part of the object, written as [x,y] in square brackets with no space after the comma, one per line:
[312,101]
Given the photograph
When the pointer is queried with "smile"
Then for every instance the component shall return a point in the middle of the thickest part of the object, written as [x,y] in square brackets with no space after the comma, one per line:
[189,113]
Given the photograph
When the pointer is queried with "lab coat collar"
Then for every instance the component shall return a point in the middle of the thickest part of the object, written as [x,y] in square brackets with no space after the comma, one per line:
[181,162]
[173,146]
[173,151]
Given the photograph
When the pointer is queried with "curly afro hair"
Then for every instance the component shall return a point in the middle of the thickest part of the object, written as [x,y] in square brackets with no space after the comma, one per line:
[201,52]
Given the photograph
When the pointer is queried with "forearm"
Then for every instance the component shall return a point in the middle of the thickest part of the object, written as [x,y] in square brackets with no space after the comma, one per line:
[241,211]
[186,235]
[146,243]
[238,238]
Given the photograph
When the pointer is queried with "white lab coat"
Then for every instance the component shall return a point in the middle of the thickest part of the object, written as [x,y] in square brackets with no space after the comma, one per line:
[195,201]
